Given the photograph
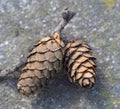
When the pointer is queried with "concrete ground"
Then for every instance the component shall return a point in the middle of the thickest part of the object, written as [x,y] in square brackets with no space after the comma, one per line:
[97,21]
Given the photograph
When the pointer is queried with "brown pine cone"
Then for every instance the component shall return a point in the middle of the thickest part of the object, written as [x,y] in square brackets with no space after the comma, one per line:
[43,62]
[80,63]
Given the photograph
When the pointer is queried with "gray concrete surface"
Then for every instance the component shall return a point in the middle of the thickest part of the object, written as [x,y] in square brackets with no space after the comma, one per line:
[97,21]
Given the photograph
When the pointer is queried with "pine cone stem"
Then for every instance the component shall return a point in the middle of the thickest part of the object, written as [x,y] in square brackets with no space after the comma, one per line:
[67,15]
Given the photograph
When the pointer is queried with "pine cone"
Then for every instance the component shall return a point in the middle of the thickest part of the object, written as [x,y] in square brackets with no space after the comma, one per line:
[42,62]
[79,63]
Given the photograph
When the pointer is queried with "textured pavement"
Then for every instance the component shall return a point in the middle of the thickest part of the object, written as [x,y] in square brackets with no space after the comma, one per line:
[97,21]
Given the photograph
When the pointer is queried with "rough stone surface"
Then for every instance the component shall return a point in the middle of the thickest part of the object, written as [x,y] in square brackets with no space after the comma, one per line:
[97,21]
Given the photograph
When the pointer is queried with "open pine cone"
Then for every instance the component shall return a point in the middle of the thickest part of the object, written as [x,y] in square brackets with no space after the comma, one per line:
[79,63]
[44,60]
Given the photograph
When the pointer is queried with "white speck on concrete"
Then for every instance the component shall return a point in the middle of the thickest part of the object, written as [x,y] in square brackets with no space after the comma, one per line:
[4,44]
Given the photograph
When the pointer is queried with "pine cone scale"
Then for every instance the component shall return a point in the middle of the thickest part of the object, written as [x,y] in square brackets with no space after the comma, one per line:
[87,64]
[53,46]
[30,74]
[59,55]
[92,62]
[36,57]
[48,65]
[83,49]
[50,56]
[79,75]
[91,70]
[78,43]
